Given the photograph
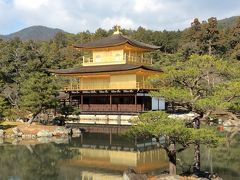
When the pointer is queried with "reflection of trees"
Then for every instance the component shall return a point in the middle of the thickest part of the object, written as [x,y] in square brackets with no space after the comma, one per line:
[223,160]
[231,134]
[40,163]
[226,159]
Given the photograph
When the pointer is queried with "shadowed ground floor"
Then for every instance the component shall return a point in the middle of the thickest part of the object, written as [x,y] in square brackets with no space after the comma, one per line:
[118,102]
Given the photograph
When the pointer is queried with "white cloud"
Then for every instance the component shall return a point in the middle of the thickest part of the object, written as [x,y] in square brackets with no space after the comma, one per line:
[148,6]
[80,15]
[30,4]
[124,22]
[45,12]
[6,17]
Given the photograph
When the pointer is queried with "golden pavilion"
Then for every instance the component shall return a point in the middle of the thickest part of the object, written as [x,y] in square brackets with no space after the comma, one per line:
[113,79]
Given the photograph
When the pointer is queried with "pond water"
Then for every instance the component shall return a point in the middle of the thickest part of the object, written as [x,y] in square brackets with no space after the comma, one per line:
[102,157]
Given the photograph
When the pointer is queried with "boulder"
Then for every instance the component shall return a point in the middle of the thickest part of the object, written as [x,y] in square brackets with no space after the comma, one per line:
[20,120]
[17,132]
[130,174]
[61,131]
[2,133]
[186,116]
[76,132]
[44,133]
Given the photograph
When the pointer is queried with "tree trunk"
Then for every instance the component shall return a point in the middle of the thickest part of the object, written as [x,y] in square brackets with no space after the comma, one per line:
[172,159]
[196,165]
[210,47]
[33,117]
[30,120]
[197,161]
[173,107]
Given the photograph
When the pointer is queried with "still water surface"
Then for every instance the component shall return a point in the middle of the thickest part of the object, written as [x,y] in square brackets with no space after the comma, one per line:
[97,156]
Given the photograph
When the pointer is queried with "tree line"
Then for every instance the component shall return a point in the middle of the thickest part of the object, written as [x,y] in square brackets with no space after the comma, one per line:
[24,65]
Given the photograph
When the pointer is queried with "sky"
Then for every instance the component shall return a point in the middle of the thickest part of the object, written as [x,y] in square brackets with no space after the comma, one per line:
[80,15]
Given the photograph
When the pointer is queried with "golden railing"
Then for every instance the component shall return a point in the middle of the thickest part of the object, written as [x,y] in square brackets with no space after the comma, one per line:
[106,86]
[130,59]
[112,107]
[143,85]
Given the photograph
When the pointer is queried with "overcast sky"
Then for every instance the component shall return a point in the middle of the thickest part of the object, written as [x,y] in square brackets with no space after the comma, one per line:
[79,15]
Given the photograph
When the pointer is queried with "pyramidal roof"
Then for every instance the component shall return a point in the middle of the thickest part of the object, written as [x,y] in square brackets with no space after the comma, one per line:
[104,68]
[116,40]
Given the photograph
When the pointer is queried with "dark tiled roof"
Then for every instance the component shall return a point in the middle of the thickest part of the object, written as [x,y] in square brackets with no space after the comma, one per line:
[103,68]
[116,40]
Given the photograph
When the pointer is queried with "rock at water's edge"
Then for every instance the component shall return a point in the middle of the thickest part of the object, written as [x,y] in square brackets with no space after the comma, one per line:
[130,174]
[44,133]
[76,131]
[2,133]
[61,131]
[16,131]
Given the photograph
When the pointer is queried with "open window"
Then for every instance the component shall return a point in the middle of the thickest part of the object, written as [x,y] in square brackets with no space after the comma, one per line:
[117,57]
[97,58]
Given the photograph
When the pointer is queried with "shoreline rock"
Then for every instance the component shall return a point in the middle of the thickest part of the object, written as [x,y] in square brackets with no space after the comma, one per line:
[61,131]
[17,132]
[75,132]
[2,133]
[44,133]
[130,174]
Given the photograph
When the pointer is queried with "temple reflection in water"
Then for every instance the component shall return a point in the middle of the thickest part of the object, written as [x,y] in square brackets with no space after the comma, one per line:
[106,158]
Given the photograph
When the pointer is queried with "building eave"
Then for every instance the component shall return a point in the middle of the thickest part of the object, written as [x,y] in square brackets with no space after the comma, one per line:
[102,69]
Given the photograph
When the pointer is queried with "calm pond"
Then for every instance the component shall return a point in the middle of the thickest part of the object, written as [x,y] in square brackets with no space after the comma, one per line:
[101,157]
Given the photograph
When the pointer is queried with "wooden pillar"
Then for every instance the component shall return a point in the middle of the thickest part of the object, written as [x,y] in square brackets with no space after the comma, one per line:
[64,103]
[110,101]
[129,58]
[135,101]
[81,102]
[110,137]
[143,104]
[71,84]
[81,140]
[78,102]
[70,98]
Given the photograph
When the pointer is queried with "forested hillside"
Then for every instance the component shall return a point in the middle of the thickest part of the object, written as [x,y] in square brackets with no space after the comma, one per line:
[34,33]
[27,86]
[227,23]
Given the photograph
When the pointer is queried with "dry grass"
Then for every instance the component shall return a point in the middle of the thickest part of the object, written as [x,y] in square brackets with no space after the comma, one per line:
[8,125]
[24,127]
[13,123]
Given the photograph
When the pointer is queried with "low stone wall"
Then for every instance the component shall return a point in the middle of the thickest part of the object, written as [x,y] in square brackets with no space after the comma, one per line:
[103,119]
[41,133]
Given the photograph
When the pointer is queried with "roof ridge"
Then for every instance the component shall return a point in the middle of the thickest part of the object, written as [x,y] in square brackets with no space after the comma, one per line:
[116,40]
[103,68]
